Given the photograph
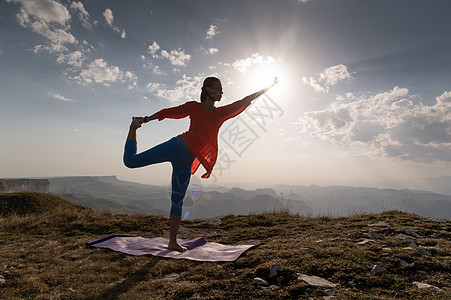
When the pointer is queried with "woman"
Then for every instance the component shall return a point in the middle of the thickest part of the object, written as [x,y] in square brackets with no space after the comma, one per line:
[190,149]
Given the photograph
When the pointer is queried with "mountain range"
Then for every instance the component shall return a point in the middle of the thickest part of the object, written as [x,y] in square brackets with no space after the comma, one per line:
[108,193]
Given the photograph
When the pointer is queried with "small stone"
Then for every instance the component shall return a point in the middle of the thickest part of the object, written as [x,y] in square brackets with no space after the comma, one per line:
[411,232]
[422,272]
[316,281]
[422,251]
[273,271]
[195,296]
[412,245]
[305,249]
[439,245]
[372,235]
[406,264]
[378,270]
[231,274]
[273,287]
[422,285]
[405,238]
[329,293]
[446,265]
[259,282]
[365,241]
[172,276]
[2,280]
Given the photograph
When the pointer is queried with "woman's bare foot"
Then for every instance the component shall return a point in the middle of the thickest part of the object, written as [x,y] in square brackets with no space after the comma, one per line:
[177,247]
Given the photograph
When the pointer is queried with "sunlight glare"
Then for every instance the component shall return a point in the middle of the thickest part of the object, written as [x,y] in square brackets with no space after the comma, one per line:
[261,76]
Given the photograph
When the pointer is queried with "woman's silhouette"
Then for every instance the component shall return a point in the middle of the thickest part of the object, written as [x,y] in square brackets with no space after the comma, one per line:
[190,149]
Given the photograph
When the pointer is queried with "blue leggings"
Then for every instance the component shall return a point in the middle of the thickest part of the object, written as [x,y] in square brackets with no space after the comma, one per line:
[174,151]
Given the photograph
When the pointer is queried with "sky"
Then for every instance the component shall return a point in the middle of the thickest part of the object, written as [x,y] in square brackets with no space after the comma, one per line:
[363,99]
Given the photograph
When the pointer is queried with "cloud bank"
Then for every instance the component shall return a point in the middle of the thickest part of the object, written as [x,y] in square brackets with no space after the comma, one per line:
[389,124]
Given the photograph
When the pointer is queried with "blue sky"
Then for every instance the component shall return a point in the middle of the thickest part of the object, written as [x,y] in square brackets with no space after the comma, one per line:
[364,93]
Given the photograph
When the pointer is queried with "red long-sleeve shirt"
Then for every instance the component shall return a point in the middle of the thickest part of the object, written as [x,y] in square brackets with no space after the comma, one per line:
[202,135]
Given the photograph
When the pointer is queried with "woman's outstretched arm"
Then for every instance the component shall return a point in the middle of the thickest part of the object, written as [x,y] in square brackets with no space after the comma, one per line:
[261,92]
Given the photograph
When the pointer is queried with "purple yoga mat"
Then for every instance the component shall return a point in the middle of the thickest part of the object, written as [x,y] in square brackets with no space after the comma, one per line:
[198,248]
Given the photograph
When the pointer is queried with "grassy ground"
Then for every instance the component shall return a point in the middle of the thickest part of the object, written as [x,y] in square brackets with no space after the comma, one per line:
[43,256]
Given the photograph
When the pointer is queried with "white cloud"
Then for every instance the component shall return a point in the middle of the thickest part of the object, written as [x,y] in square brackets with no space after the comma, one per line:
[152,87]
[49,19]
[153,49]
[99,71]
[177,57]
[211,32]
[47,11]
[156,70]
[185,88]
[75,59]
[243,64]
[108,14]
[389,124]
[60,97]
[444,99]
[84,15]
[329,77]
[213,51]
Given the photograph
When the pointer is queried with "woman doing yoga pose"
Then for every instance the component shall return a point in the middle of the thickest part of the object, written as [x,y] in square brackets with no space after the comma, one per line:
[199,145]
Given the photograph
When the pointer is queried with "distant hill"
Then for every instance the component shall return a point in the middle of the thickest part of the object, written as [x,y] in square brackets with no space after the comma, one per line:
[26,203]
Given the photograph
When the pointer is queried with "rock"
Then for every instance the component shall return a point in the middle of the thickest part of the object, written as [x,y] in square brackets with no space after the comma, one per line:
[412,245]
[439,245]
[422,285]
[406,264]
[305,249]
[406,238]
[329,293]
[316,281]
[422,251]
[372,235]
[411,232]
[365,241]
[378,270]
[195,296]
[2,280]
[259,282]
[422,272]
[172,276]
[273,287]
[446,265]
[273,271]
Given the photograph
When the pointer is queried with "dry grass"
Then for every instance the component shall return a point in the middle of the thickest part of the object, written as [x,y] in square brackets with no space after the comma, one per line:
[43,256]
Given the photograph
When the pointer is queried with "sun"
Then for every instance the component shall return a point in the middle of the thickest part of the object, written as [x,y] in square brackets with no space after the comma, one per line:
[262,75]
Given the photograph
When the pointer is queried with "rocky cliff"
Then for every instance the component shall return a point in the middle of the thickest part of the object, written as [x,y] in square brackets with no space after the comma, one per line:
[24,185]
